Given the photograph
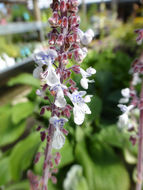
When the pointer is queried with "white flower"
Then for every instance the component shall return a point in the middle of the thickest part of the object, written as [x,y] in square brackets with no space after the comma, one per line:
[80,107]
[125,108]
[86,37]
[40,93]
[58,122]
[58,139]
[60,99]
[37,72]
[73,178]
[88,73]
[123,120]
[44,58]
[126,95]
[52,78]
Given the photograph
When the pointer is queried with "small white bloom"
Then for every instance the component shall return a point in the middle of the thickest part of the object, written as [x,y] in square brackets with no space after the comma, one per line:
[80,106]
[123,120]
[52,78]
[45,58]
[58,139]
[126,95]
[125,92]
[88,73]
[88,98]
[37,72]
[60,99]
[125,108]
[86,37]
[74,177]
[58,122]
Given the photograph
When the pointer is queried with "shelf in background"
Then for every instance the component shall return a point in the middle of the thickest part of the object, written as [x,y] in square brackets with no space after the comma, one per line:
[27,65]
[21,27]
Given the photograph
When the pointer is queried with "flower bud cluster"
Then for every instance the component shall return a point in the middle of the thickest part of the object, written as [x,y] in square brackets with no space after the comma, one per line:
[131,104]
[66,42]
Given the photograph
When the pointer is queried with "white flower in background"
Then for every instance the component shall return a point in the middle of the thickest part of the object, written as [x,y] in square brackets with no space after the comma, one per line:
[80,106]
[136,79]
[58,138]
[123,120]
[126,95]
[74,176]
[60,99]
[2,64]
[85,74]
[86,37]
[125,108]
[10,61]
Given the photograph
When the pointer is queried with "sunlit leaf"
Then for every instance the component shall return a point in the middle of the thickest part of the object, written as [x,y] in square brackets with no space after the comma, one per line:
[26,79]
[22,111]
[23,154]
[5,175]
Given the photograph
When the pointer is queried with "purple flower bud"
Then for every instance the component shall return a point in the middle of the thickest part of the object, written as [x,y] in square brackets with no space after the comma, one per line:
[37,157]
[133,140]
[42,111]
[57,158]
[38,128]
[43,135]
[55,171]
[54,179]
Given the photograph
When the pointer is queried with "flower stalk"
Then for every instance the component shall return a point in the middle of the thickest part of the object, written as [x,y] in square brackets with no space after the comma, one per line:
[66,43]
[140,145]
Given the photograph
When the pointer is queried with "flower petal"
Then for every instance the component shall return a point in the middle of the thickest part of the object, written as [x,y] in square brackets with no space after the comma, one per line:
[52,78]
[91,71]
[85,108]
[84,83]
[60,100]
[53,119]
[37,71]
[88,98]
[79,115]
[58,139]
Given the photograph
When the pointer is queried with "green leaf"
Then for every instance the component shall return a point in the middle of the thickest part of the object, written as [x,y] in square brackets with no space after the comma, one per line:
[113,136]
[96,107]
[22,155]
[26,79]
[24,185]
[12,134]
[22,111]
[5,121]
[102,168]
[5,176]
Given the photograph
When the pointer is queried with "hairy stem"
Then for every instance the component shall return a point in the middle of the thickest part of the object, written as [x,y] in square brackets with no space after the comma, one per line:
[48,152]
[140,145]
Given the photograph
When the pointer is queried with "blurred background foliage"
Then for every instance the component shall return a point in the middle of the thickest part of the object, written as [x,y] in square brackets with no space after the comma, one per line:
[96,155]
